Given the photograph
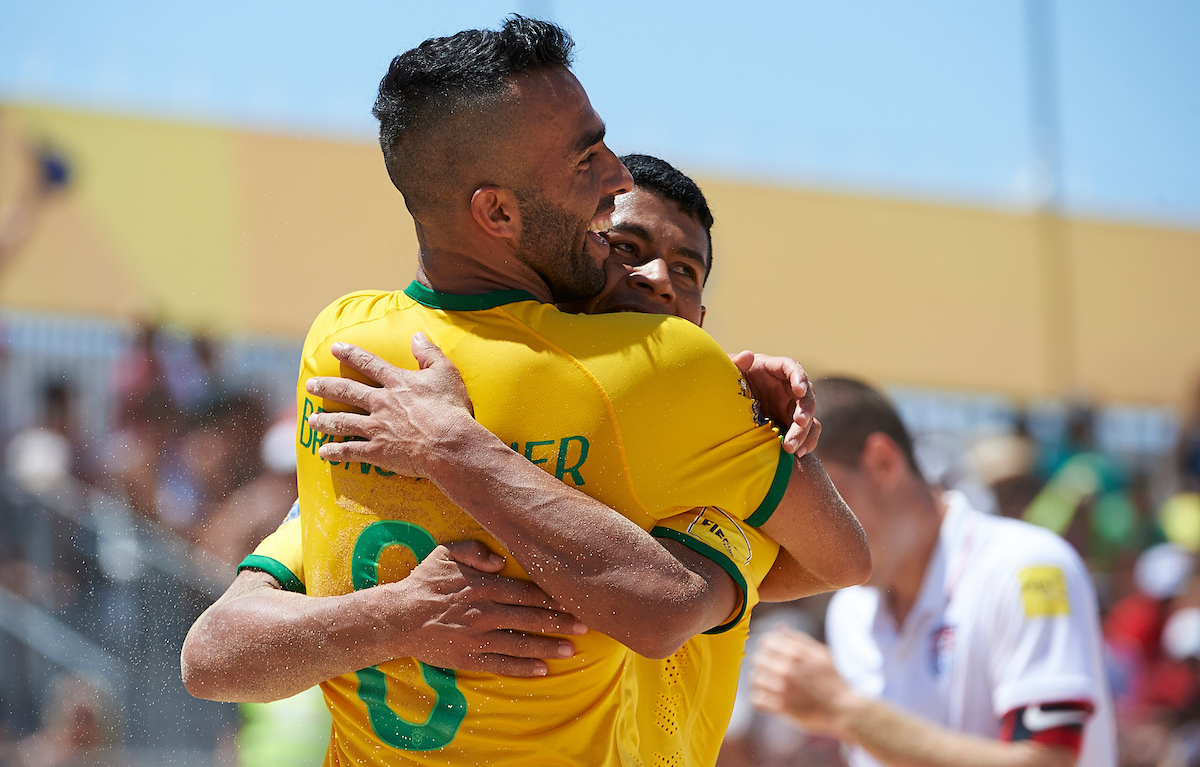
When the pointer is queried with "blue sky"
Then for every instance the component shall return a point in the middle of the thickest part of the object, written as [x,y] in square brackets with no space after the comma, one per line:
[926,99]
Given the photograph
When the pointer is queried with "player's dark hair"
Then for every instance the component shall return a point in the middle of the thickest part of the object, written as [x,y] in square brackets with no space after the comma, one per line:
[669,183]
[456,78]
[850,411]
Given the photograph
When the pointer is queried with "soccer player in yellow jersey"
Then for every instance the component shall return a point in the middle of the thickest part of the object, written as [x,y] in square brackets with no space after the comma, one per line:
[502,163]
[660,258]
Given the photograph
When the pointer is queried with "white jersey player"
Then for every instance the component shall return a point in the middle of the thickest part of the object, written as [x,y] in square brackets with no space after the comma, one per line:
[976,640]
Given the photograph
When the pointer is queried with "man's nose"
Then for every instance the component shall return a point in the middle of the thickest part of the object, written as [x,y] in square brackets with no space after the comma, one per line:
[655,277]
[617,179]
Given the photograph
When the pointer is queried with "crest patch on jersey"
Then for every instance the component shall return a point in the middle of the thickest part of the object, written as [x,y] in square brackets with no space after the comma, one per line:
[759,418]
[293,513]
[1044,591]
[941,649]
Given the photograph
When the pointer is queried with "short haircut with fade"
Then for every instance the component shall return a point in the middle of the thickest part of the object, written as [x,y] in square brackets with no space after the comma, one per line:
[441,101]
[669,183]
[850,411]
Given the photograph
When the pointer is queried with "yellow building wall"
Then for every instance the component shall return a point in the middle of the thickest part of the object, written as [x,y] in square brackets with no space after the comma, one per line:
[955,297]
[232,230]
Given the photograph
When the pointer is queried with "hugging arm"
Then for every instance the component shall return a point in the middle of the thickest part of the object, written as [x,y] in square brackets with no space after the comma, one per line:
[650,594]
[259,642]
[822,545]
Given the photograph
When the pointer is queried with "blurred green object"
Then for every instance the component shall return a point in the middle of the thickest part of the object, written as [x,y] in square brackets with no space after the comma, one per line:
[1082,476]
[1179,517]
[1089,483]
[1114,520]
[293,732]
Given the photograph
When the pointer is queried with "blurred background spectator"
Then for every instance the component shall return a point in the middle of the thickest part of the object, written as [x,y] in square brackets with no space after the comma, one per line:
[1115,503]
[80,730]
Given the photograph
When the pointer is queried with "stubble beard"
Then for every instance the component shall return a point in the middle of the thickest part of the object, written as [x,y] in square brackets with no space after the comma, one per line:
[554,244]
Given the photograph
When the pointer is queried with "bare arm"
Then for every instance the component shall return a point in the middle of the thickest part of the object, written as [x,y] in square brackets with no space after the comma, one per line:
[650,595]
[788,580]
[794,676]
[260,643]
[823,545]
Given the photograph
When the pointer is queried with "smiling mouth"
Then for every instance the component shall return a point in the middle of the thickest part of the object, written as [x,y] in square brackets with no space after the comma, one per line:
[602,221]
[600,224]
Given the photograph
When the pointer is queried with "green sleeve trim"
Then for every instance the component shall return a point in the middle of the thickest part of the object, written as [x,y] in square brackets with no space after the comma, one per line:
[455,303]
[276,570]
[722,559]
[783,474]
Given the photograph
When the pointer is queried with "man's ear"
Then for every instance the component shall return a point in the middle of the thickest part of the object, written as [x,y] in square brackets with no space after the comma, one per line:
[495,210]
[703,311]
[882,460]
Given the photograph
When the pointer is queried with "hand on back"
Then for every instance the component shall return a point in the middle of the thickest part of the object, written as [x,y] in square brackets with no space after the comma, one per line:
[786,395]
[458,613]
[409,415]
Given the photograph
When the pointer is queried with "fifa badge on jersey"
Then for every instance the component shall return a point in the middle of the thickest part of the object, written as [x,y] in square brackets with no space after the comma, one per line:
[941,649]
[759,418]
[1044,591]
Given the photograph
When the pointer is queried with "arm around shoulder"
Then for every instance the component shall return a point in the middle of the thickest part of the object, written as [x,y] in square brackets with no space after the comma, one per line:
[823,546]
[260,643]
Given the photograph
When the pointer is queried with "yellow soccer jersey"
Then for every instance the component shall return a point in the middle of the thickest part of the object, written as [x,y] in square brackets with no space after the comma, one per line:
[683,703]
[644,413]
[281,554]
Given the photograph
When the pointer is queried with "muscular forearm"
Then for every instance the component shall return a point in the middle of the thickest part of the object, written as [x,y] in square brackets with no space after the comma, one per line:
[788,580]
[598,565]
[260,643]
[827,545]
[899,740]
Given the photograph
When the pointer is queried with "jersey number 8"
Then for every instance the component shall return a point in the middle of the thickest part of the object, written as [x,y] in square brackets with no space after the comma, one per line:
[449,706]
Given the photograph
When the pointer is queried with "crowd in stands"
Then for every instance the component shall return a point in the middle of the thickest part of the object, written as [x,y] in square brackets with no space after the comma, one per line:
[202,470]
[212,468]
[210,464]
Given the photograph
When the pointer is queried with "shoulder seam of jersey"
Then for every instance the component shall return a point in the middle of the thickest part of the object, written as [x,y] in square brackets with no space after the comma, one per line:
[783,475]
[456,303]
[721,559]
[338,328]
[608,406]
[276,570]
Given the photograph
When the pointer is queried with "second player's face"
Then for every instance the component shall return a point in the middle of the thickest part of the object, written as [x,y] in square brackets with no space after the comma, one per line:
[657,261]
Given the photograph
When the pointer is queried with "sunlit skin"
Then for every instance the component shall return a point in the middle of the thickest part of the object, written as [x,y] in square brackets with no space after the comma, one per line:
[571,170]
[859,495]
[657,263]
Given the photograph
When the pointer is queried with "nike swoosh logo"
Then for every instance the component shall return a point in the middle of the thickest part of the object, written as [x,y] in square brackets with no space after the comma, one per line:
[1037,719]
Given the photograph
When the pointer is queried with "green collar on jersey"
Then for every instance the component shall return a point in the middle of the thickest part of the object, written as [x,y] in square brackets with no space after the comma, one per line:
[456,303]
